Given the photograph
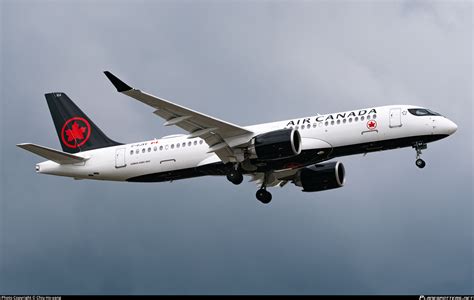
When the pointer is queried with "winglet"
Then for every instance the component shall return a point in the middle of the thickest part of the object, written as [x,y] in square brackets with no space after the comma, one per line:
[119,84]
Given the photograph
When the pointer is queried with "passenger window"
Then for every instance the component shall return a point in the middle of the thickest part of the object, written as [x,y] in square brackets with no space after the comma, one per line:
[149,149]
[326,123]
[189,144]
[362,118]
[344,121]
[195,143]
[350,120]
[200,142]
[338,122]
[143,150]
[184,144]
[374,117]
[155,148]
[137,151]
[166,147]
[368,117]
[308,126]
[172,146]
[161,148]
[356,119]
[178,145]
[131,152]
[314,125]
[332,122]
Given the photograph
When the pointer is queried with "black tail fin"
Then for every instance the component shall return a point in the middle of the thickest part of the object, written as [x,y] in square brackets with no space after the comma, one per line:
[76,131]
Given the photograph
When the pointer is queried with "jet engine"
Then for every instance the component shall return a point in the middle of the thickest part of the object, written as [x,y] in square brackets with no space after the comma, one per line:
[276,144]
[321,177]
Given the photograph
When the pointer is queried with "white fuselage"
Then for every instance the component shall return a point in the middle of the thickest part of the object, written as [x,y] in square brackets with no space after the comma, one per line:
[331,131]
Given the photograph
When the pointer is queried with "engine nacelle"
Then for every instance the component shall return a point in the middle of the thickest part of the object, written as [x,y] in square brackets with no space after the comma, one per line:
[276,144]
[321,177]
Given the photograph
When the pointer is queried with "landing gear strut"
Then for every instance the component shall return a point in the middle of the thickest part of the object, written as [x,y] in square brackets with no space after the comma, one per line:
[234,175]
[262,194]
[418,147]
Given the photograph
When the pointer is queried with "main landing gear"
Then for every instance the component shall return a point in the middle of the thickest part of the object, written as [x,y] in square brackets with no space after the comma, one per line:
[418,147]
[262,194]
[234,175]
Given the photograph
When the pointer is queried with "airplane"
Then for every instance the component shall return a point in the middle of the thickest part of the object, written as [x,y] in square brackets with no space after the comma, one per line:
[272,154]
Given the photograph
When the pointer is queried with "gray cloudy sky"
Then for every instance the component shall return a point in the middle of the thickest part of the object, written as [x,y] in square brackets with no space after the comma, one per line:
[392,229]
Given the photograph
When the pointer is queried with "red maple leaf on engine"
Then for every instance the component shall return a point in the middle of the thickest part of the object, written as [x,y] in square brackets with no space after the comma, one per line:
[76,133]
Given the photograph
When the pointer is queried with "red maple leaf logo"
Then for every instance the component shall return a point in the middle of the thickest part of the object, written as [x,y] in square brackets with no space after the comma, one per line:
[76,133]
[371,124]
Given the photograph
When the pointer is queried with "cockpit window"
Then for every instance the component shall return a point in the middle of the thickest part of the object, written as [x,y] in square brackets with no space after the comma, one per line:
[422,112]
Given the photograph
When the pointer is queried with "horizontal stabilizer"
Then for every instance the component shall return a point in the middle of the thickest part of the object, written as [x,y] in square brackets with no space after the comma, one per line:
[60,157]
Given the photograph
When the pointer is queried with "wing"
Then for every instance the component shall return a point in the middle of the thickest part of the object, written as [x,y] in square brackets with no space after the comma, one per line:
[221,136]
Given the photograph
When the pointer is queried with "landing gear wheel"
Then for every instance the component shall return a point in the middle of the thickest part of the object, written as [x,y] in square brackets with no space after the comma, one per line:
[418,147]
[420,163]
[235,177]
[264,196]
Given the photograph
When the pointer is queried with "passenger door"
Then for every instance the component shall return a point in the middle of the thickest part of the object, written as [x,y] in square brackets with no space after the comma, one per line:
[395,117]
[120,158]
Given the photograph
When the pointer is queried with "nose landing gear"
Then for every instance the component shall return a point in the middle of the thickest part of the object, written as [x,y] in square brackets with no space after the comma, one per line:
[420,163]
[418,147]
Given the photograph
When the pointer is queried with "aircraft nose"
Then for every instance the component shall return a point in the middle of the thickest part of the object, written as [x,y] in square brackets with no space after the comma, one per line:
[451,127]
